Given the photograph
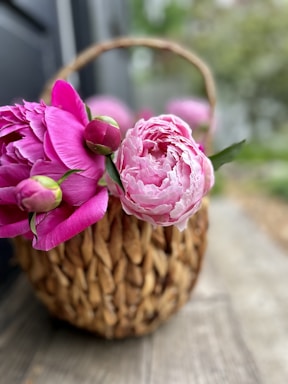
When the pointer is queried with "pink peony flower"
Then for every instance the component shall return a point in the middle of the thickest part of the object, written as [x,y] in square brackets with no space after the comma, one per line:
[164,172]
[195,112]
[38,194]
[113,107]
[145,113]
[102,135]
[36,139]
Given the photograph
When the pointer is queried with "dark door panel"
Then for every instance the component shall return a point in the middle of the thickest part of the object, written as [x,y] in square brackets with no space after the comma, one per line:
[29,53]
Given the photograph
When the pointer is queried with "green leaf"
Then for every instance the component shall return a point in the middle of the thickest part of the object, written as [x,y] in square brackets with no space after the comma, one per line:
[226,155]
[32,222]
[67,174]
[89,113]
[113,171]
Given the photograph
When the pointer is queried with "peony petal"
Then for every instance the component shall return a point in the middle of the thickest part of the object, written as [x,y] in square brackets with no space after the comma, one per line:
[14,229]
[7,195]
[49,150]
[66,135]
[9,116]
[76,188]
[23,148]
[12,174]
[35,117]
[65,97]
[13,222]
[63,223]
[48,168]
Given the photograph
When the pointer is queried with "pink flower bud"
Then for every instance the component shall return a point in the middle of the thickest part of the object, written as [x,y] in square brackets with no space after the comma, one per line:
[107,105]
[38,194]
[102,135]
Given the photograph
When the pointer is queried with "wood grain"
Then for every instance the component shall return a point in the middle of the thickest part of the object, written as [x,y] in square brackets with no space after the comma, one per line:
[207,347]
[201,344]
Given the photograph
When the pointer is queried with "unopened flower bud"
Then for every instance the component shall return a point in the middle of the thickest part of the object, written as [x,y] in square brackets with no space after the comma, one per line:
[38,194]
[102,135]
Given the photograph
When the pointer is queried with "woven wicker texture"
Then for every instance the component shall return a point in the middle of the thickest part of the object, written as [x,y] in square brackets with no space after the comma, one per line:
[121,277]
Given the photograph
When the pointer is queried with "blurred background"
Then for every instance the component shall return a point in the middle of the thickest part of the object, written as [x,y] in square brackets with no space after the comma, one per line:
[243,42]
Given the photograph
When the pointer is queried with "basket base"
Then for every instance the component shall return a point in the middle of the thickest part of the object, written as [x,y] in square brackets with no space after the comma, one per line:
[120,277]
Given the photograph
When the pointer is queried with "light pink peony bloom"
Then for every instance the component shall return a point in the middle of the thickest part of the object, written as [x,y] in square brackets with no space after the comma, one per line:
[195,112]
[36,139]
[164,172]
[113,107]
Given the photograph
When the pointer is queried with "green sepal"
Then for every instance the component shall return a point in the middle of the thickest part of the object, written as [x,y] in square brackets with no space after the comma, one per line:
[89,113]
[107,119]
[226,155]
[32,222]
[102,182]
[67,174]
[113,171]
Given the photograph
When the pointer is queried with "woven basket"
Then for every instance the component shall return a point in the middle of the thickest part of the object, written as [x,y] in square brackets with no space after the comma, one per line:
[120,277]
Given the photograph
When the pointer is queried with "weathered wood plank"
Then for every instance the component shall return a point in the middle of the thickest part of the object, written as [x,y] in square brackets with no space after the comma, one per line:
[209,284]
[76,356]
[202,345]
[24,327]
[254,270]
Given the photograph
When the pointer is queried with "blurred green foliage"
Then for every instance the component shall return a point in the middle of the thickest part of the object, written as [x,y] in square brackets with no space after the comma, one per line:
[219,185]
[277,187]
[168,22]
[261,153]
[270,159]
[245,44]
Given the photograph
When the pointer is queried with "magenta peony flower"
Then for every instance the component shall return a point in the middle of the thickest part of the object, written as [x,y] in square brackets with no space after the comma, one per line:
[102,135]
[36,139]
[195,112]
[38,194]
[113,107]
[164,172]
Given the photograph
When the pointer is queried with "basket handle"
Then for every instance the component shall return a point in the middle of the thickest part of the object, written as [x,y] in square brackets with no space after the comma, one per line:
[97,49]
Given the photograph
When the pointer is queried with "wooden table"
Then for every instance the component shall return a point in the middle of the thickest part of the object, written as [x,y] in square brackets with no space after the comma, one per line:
[234,329]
